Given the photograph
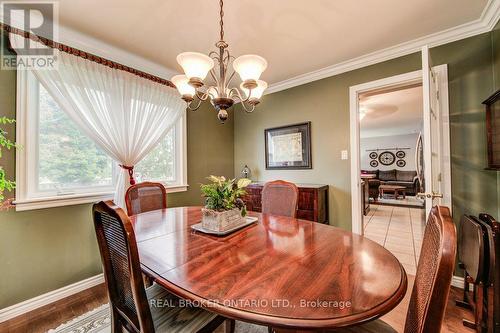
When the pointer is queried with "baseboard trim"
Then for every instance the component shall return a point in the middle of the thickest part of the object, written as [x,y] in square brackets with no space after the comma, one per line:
[50,297]
[457,282]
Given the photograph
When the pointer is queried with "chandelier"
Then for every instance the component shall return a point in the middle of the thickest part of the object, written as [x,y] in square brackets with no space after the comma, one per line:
[196,67]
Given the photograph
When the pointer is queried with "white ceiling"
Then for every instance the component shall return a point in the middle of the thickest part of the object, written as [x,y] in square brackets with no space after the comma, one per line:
[393,113]
[295,36]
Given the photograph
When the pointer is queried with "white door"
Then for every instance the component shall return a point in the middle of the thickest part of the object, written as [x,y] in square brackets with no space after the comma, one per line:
[433,135]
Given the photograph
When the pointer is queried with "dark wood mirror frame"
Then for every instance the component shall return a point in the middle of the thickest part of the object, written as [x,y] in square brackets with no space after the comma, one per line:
[493,130]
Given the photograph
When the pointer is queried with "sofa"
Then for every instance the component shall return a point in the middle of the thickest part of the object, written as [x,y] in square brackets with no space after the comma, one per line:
[408,179]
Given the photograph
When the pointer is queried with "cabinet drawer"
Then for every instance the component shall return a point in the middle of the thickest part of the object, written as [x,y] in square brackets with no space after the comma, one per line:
[305,214]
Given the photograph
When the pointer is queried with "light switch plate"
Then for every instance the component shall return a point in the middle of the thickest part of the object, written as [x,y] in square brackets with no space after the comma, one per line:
[344,155]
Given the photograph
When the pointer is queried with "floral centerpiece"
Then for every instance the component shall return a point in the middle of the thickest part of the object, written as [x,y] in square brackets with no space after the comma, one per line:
[224,207]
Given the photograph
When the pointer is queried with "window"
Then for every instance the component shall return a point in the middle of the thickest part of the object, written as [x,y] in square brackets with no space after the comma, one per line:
[59,165]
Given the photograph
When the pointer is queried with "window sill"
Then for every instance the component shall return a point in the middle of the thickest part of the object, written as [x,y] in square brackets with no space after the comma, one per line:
[77,199]
[59,201]
[176,188]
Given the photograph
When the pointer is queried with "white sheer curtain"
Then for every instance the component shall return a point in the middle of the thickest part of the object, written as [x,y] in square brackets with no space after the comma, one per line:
[124,114]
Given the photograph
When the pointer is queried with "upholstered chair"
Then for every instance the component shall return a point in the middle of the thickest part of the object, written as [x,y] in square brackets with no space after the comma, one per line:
[432,282]
[280,198]
[133,307]
[144,197]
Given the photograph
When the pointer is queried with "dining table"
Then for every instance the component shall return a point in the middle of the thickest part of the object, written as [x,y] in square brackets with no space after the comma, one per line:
[280,272]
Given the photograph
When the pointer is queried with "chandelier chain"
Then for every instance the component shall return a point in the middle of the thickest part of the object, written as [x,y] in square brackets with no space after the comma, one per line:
[221,22]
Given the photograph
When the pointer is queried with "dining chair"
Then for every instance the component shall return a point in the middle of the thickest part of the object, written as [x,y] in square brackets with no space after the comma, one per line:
[133,307]
[432,281]
[144,197]
[280,198]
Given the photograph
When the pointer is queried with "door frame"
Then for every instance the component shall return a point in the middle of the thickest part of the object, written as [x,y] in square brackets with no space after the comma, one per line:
[385,83]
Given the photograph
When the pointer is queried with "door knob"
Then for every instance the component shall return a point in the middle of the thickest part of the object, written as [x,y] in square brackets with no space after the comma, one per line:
[436,195]
[430,195]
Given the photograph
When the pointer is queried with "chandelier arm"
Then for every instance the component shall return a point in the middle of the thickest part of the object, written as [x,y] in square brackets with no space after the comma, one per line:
[202,96]
[230,77]
[215,56]
[194,108]
[212,74]
[208,94]
[227,57]
[248,110]
[236,92]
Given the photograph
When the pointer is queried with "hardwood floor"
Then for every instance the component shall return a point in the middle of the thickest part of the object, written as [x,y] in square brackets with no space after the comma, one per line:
[52,315]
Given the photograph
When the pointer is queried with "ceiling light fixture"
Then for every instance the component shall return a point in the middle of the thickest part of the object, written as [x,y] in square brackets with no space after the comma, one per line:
[197,66]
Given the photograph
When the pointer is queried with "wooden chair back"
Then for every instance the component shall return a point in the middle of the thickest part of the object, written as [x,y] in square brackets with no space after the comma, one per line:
[494,291]
[434,273]
[280,198]
[471,248]
[122,270]
[489,251]
[145,197]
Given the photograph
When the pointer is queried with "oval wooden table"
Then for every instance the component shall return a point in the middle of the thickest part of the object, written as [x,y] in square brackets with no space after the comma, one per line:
[280,272]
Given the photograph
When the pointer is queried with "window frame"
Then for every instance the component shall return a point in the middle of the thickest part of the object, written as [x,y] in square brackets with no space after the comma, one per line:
[28,198]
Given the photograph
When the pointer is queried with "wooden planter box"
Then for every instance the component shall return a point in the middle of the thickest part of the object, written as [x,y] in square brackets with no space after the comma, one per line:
[221,221]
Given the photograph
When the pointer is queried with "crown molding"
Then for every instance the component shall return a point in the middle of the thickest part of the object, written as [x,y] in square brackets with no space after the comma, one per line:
[102,49]
[486,22]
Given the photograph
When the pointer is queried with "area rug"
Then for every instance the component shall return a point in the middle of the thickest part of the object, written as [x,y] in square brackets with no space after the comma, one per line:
[409,201]
[99,321]
[95,321]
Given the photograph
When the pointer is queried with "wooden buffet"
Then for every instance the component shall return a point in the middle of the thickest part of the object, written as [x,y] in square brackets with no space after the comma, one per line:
[312,206]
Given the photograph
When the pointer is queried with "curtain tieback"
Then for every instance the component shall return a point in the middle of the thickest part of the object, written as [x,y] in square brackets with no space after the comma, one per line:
[130,170]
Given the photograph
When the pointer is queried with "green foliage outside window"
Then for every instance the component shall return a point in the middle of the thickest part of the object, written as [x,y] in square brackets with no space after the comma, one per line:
[5,184]
[67,158]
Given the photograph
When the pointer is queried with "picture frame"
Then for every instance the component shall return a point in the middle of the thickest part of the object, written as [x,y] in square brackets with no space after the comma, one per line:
[288,147]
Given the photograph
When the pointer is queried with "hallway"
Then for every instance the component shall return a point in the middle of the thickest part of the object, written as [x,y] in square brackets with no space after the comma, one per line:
[398,229]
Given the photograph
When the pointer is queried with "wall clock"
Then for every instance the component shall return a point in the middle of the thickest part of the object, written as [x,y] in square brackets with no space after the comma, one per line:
[374,163]
[400,154]
[373,155]
[401,163]
[386,158]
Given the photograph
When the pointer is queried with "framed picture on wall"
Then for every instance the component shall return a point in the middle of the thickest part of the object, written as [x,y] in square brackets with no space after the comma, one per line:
[289,147]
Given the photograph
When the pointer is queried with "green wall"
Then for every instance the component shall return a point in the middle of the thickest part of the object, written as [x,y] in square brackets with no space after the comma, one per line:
[495,42]
[470,81]
[326,104]
[46,249]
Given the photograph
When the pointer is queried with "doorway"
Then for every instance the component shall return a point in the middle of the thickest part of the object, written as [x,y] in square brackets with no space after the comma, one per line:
[391,122]
[394,214]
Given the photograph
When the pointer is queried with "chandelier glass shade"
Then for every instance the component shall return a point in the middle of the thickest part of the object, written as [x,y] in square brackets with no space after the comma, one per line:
[197,66]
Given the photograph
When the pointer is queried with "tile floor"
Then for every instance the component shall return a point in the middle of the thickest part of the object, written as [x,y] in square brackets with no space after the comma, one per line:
[398,229]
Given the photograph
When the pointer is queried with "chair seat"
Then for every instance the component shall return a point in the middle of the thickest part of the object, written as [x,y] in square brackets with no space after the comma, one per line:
[168,317]
[376,326]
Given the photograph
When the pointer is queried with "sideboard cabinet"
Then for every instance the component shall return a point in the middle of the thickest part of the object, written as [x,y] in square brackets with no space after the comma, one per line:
[312,206]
